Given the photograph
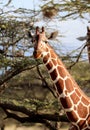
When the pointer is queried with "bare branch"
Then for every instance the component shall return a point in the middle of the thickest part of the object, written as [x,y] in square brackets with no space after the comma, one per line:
[79,55]
[9,1]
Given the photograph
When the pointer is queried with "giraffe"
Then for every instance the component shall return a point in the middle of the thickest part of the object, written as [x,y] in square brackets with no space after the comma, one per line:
[74,102]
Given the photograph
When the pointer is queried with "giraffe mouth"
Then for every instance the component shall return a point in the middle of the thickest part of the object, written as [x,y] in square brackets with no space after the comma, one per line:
[36,54]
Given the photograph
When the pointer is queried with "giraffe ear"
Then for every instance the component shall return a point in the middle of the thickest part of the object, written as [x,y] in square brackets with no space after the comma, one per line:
[53,35]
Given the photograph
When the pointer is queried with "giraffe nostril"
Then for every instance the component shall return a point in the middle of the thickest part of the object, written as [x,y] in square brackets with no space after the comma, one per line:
[35,52]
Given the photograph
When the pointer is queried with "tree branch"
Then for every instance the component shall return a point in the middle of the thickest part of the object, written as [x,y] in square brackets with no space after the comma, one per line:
[44,82]
[11,110]
[30,114]
[79,55]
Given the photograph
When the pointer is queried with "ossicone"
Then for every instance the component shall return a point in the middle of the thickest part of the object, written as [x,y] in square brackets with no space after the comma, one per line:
[43,29]
[37,30]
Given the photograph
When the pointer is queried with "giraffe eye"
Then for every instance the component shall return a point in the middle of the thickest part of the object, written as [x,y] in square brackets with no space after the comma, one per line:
[45,41]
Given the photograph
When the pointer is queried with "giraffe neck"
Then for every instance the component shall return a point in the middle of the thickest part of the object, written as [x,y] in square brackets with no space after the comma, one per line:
[73,100]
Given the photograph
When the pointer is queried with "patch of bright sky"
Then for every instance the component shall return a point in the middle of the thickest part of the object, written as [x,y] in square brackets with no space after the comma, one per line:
[23,4]
[29,4]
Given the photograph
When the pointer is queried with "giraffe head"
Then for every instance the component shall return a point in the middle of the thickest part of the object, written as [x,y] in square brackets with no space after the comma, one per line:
[39,41]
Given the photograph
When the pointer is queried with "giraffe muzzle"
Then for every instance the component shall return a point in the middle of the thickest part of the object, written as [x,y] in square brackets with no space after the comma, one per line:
[37,54]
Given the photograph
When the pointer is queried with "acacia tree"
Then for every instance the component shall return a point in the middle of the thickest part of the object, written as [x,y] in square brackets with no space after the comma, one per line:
[15,48]
[67,9]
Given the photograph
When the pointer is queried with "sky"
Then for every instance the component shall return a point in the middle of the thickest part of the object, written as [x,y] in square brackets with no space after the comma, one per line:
[71,29]
[29,4]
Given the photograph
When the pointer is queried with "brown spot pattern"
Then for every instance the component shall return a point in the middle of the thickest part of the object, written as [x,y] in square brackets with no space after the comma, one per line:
[69,85]
[60,86]
[75,98]
[45,58]
[82,110]
[81,123]
[53,55]
[49,65]
[54,62]
[54,74]
[78,93]
[72,116]
[66,103]
[61,71]
[85,101]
